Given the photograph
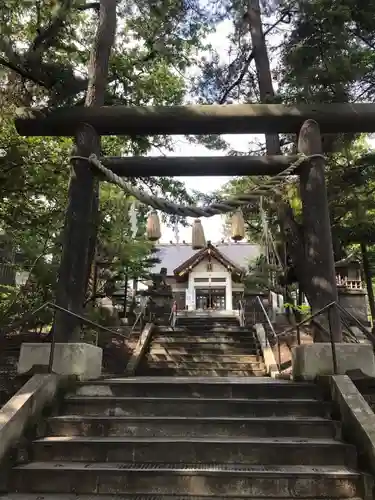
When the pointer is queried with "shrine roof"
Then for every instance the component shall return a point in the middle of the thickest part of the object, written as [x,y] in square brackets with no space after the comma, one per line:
[173,256]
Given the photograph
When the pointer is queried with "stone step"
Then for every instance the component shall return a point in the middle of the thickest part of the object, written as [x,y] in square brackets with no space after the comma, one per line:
[73,496]
[77,425]
[215,407]
[204,479]
[158,371]
[187,364]
[204,330]
[208,320]
[195,450]
[209,347]
[220,387]
[176,356]
[214,329]
[205,339]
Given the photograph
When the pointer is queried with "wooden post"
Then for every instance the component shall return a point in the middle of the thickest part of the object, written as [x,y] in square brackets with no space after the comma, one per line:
[320,265]
[75,259]
[83,201]
[368,279]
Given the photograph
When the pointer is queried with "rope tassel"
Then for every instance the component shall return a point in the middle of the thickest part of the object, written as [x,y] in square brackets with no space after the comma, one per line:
[238,226]
[198,239]
[153,231]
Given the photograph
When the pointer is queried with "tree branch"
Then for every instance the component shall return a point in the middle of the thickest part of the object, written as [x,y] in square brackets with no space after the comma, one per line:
[87,6]
[48,33]
[248,61]
[20,71]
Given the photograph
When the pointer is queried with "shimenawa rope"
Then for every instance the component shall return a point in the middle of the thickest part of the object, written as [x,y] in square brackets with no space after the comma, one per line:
[221,207]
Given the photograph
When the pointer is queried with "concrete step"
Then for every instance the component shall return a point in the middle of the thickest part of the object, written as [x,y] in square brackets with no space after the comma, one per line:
[205,330]
[187,364]
[209,347]
[208,320]
[176,356]
[157,371]
[233,320]
[233,387]
[67,496]
[204,339]
[201,480]
[195,450]
[215,407]
[77,425]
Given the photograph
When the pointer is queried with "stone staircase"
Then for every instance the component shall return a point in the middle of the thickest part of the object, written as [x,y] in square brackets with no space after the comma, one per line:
[204,346]
[189,439]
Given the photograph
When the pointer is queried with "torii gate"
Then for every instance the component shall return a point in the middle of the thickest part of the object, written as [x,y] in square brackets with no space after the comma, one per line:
[307,121]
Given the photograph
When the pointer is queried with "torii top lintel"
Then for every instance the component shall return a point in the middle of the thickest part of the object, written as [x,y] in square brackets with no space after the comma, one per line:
[197,119]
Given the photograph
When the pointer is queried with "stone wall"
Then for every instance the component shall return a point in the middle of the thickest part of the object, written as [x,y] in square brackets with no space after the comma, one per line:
[9,382]
[355,302]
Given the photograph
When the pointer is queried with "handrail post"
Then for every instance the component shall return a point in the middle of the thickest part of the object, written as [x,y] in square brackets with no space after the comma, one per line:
[333,346]
[272,330]
[52,351]
[298,335]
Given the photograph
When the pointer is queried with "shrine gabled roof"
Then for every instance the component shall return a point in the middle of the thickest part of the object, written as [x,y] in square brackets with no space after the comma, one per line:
[209,251]
[173,257]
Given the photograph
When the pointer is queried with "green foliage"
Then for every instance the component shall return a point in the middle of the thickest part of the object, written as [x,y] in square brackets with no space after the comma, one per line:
[263,276]
[325,54]
[328,55]
[44,53]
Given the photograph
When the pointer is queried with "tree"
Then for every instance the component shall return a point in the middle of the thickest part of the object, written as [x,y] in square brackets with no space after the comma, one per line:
[308,73]
[45,62]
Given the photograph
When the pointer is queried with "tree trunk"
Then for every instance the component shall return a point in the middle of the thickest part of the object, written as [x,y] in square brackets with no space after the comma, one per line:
[319,259]
[293,233]
[289,227]
[368,279]
[83,201]
[262,64]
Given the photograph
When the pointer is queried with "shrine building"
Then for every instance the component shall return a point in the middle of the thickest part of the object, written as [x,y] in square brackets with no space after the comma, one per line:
[206,279]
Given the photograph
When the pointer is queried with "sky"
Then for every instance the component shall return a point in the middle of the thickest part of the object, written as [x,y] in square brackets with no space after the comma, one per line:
[213,225]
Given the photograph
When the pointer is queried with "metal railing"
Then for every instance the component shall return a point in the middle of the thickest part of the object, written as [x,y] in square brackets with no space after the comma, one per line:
[326,309]
[141,314]
[173,315]
[55,307]
[242,313]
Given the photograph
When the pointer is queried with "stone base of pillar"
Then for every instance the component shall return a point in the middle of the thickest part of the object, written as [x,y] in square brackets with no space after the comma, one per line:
[312,360]
[80,359]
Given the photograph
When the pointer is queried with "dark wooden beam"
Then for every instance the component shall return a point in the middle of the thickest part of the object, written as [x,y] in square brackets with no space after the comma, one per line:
[144,166]
[198,119]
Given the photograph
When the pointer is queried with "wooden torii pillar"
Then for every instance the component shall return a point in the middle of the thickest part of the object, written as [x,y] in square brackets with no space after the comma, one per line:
[319,256]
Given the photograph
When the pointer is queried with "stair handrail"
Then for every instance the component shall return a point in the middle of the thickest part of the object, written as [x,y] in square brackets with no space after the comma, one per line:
[141,313]
[266,315]
[48,305]
[362,327]
[277,336]
[278,362]
[326,308]
[173,315]
[242,313]
[322,310]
